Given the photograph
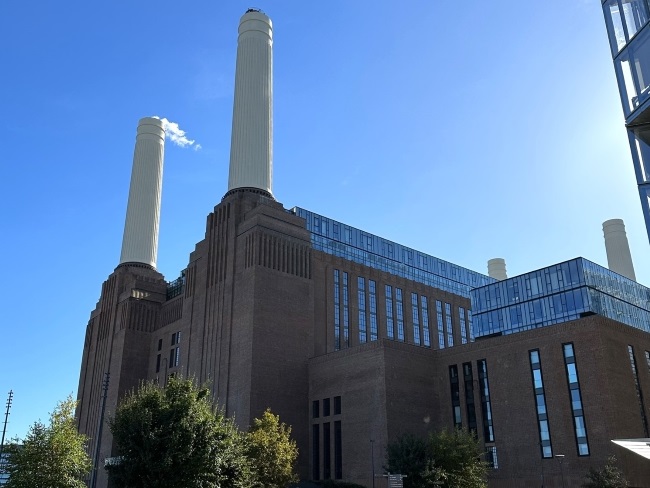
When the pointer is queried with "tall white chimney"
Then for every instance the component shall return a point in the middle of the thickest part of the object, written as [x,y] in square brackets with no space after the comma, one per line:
[251,148]
[140,241]
[619,258]
[497,269]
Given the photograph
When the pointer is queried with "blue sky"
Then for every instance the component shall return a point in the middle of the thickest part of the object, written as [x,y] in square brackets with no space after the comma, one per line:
[491,130]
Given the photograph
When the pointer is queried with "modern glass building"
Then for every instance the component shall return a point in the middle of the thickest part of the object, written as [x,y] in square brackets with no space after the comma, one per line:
[629,38]
[361,247]
[559,293]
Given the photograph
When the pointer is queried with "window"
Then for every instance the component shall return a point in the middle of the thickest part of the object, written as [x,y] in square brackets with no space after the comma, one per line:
[540,404]
[159,344]
[327,462]
[469,396]
[176,338]
[346,312]
[390,329]
[455,396]
[416,318]
[326,407]
[372,289]
[486,405]
[492,457]
[315,409]
[425,321]
[400,314]
[158,363]
[637,386]
[172,357]
[576,401]
[450,327]
[463,325]
[315,451]
[624,18]
[441,327]
[361,294]
[338,458]
[337,405]
[337,311]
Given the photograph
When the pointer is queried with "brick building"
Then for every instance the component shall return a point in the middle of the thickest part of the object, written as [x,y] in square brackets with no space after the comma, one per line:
[354,340]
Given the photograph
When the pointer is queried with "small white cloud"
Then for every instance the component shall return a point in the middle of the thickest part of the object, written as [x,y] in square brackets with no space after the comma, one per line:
[177,135]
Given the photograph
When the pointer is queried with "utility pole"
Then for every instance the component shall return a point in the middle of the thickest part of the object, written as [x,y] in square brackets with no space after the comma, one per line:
[4,428]
[93,479]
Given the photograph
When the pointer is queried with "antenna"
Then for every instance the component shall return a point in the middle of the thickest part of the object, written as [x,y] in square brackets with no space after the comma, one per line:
[4,428]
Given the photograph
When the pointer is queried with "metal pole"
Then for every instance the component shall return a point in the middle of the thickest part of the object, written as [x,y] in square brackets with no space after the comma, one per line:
[560,458]
[4,431]
[93,479]
[372,460]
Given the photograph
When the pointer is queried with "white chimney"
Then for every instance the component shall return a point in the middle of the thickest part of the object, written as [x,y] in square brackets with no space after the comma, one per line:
[140,241]
[497,269]
[251,148]
[619,258]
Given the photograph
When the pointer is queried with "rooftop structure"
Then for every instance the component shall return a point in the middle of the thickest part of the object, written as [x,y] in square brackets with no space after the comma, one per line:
[556,294]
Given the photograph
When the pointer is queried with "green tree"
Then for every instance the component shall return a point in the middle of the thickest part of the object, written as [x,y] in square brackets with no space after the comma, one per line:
[455,460]
[607,477]
[444,459]
[52,456]
[408,455]
[174,437]
[272,451]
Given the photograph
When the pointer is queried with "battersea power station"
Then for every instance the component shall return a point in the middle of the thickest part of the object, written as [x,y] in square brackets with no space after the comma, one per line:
[354,340]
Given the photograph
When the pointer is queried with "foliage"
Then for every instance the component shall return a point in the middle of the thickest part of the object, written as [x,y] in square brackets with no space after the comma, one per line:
[272,451]
[607,477]
[456,460]
[408,455]
[172,437]
[444,459]
[52,456]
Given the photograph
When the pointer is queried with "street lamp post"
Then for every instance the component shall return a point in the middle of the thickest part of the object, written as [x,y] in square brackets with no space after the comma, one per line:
[560,458]
[372,460]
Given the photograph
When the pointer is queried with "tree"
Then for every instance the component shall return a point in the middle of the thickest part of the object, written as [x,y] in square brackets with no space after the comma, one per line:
[408,455]
[174,437]
[607,477]
[456,460]
[447,459]
[52,456]
[272,451]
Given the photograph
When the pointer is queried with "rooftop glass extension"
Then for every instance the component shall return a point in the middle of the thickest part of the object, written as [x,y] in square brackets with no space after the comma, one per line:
[342,240]
[557,294]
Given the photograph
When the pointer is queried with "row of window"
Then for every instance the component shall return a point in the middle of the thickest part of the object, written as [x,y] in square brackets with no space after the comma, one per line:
[470,409]
[326,429]
[580,427]
[395,317]
[315,407]
[174,352]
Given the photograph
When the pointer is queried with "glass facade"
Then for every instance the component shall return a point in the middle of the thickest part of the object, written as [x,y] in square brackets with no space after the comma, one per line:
[355,245]
[450,326]
[629,38]
[556,294]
